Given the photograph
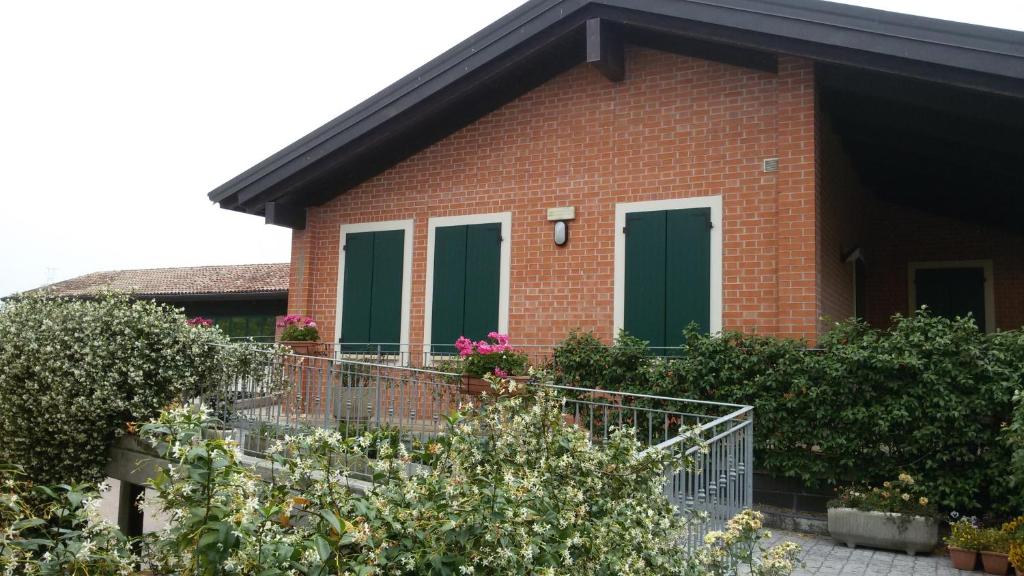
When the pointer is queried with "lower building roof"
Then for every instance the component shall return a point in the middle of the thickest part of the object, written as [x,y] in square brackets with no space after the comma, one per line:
[257,280]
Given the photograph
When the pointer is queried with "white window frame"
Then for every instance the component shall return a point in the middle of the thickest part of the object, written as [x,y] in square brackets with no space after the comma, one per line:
[505,266]
[986,267]
[624,208]
[407,226]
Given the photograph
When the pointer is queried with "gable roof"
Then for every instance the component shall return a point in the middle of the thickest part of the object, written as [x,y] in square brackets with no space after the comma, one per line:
[246,280]
[544,37]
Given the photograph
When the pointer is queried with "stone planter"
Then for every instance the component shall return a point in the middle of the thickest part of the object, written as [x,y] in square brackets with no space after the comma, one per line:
[255,444]
[911,534]
[995,563]
[355,404]
[963,559]
[217,433]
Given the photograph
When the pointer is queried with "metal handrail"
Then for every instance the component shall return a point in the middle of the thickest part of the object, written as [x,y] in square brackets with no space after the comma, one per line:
[358,394]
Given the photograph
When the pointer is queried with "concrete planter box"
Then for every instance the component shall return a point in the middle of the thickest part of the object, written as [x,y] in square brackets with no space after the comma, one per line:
[355,403]
[911,534]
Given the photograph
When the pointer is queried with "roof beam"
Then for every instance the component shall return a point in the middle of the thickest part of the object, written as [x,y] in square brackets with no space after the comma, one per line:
[278,214]
[605,50]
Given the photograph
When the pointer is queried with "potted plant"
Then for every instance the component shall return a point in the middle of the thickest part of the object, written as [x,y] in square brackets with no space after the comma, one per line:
[995,548]
[496,358]
[964,542]
[894,516]
[300,333]
[1014,529]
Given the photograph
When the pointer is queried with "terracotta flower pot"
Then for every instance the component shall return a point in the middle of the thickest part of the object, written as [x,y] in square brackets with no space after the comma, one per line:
[963,559]
[995,563]
[306,348]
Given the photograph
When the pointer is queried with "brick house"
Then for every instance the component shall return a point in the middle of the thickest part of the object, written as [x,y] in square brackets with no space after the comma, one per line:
[243,300]
[758,166]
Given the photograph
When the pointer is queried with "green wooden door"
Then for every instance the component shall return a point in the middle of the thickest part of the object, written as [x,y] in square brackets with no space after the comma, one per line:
[952,292]
[467,276]
[668,274]
[372,291]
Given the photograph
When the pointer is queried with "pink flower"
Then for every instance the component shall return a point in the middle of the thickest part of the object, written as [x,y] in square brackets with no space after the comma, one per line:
[464,346]
[200,321]
[500,373]
[484,348]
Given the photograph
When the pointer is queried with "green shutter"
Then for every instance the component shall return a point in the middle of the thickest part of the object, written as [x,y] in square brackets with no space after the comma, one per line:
[372,293]
[467,276]
[644,306]
[386,303]
[449,292]
[687,272]
[668,274]
[358,288]
[483,275]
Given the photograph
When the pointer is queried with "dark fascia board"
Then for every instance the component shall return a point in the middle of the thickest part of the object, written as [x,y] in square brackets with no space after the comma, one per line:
[215,296]
[972,56]
[198,297]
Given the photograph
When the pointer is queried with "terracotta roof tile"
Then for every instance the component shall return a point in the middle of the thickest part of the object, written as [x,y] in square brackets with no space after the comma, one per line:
[245,278]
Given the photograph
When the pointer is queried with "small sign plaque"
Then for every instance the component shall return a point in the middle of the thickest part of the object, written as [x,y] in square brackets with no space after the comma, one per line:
[562,213]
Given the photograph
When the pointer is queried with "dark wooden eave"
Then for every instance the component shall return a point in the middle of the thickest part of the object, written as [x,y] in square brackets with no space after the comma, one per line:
[545,37]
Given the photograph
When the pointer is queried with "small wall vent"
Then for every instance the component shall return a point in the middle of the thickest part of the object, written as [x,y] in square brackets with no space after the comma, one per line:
[771,164]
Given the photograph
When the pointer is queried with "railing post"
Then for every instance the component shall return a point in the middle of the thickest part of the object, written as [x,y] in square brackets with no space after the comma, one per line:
[748,464]
[377,400]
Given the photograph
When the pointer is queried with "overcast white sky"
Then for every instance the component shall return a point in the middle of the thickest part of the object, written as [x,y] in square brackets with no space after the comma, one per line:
[117,117]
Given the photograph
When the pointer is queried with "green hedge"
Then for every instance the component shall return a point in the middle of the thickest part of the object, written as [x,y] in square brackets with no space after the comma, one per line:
[928,396]
[74,373]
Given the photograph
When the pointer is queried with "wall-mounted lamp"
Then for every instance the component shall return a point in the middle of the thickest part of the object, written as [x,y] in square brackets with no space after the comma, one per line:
[561,217]
[561,233]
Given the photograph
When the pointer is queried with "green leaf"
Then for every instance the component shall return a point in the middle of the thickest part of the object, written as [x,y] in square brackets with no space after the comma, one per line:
[323,547]
[332,520]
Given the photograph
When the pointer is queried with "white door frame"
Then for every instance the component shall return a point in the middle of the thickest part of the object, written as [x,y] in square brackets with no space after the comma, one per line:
[986,268]
[405,225]
[505,265]
[624,208]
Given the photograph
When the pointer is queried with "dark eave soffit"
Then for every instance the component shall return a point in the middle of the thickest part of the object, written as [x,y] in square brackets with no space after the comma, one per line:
[431,101]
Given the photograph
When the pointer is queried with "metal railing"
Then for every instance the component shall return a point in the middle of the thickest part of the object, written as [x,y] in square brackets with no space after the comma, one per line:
[717,479]
[407,354]
[353,394]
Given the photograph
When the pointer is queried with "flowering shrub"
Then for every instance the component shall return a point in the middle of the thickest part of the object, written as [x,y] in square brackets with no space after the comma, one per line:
[56,530]
[1014,529]
[740,543]
[964,533]
[298,329]
[901,496]
[994,540]
[495,356]
[74,372]
[512,489]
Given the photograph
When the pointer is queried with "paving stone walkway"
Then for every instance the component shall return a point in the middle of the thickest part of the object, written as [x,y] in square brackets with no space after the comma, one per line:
[824,556]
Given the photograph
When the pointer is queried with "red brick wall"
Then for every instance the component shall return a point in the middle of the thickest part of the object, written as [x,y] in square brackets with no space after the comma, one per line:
[899,235]
[676,127]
